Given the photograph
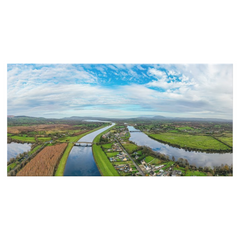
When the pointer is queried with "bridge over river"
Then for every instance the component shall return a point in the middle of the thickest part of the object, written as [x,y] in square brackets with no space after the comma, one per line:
[83,144]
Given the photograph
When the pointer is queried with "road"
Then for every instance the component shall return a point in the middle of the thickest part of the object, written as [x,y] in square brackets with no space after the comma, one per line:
[138,168]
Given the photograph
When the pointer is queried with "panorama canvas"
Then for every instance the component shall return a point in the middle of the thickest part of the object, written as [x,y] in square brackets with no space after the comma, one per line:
[120,120]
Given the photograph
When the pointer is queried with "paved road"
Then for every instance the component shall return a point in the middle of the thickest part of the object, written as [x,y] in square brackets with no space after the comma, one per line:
[138,168]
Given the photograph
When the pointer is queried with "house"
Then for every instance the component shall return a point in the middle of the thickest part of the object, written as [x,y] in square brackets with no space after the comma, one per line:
[176,173]
[125,159]
[147,167]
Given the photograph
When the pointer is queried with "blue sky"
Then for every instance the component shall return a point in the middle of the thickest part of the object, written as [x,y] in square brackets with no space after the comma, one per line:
[120,90]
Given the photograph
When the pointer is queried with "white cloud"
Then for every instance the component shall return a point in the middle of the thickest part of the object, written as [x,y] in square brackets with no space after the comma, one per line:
[204,90]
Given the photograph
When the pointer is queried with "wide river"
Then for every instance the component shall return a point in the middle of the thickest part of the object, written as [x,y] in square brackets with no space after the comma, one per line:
[13,149]
[198,158]
[80,161]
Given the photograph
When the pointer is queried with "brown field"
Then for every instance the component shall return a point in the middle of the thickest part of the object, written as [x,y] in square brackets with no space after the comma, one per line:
[41,127]
[45,162]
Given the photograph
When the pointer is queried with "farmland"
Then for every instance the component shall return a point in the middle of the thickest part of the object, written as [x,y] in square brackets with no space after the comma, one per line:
[190,141]
[44,164]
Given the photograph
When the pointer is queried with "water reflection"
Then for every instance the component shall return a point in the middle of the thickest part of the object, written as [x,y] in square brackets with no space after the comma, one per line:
[13,149]
[197,158]
[80,161]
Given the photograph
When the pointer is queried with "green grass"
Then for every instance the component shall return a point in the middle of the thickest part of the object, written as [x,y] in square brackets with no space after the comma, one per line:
[24,139]
[149,159]
[124,162]
[156,161]
[227,140]
[167,165]
[195,173]
[112,154]
[107,146]
[104,165]
[173,131]
[9,134]
[44,139]
[130,147]
[139,152]
[185,128]
[62,163]
[11,166]
[191,141]
[35,149]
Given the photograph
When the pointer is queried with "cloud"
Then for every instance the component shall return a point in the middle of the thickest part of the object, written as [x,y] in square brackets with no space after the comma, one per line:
[170,90]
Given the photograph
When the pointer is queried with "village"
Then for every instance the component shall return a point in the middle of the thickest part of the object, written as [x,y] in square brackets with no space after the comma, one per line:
[119,152]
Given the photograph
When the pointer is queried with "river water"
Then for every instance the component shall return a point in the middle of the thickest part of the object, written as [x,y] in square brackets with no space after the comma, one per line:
[80,161]
[13,149]
[198,158]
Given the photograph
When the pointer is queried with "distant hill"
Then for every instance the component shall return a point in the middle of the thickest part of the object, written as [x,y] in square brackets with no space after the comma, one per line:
[13,119]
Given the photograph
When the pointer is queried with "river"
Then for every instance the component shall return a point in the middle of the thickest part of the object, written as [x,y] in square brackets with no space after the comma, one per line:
[80,161]
[13,149]
[198,158]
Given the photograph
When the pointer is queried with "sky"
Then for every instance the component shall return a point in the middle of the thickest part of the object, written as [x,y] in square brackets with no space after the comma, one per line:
[120,90]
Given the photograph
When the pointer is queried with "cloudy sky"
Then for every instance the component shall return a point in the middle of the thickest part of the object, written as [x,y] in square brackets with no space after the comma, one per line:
[120,90]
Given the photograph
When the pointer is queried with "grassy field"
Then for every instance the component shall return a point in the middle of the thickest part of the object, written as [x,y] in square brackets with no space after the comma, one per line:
[24,139]
[44,139]
[104,165]
[156,161]
[191,141]
[35,149]
[195,173]
[185,128]
[11,166]
[149,159]
[227,140]
[107,146]
[130,147]
[167,165]
[112,154]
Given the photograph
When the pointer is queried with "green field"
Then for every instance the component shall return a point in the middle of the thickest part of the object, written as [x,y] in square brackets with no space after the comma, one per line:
[173,131]
[11,166]
[195,173]
[107,146]
[130,147]
[167,165]
[35,149]
[191,141]
[112,154]
[24,138]
[156,161]
[104,165]
[44,139]
[227,140]
[62,163]
[185,128]
[149,159]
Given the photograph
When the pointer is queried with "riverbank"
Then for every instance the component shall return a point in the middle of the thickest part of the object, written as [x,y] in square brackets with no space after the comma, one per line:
[201,143]
[63,161]
[101,160]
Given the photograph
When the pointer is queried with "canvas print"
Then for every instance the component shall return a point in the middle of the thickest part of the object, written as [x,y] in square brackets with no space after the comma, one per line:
[120,120]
